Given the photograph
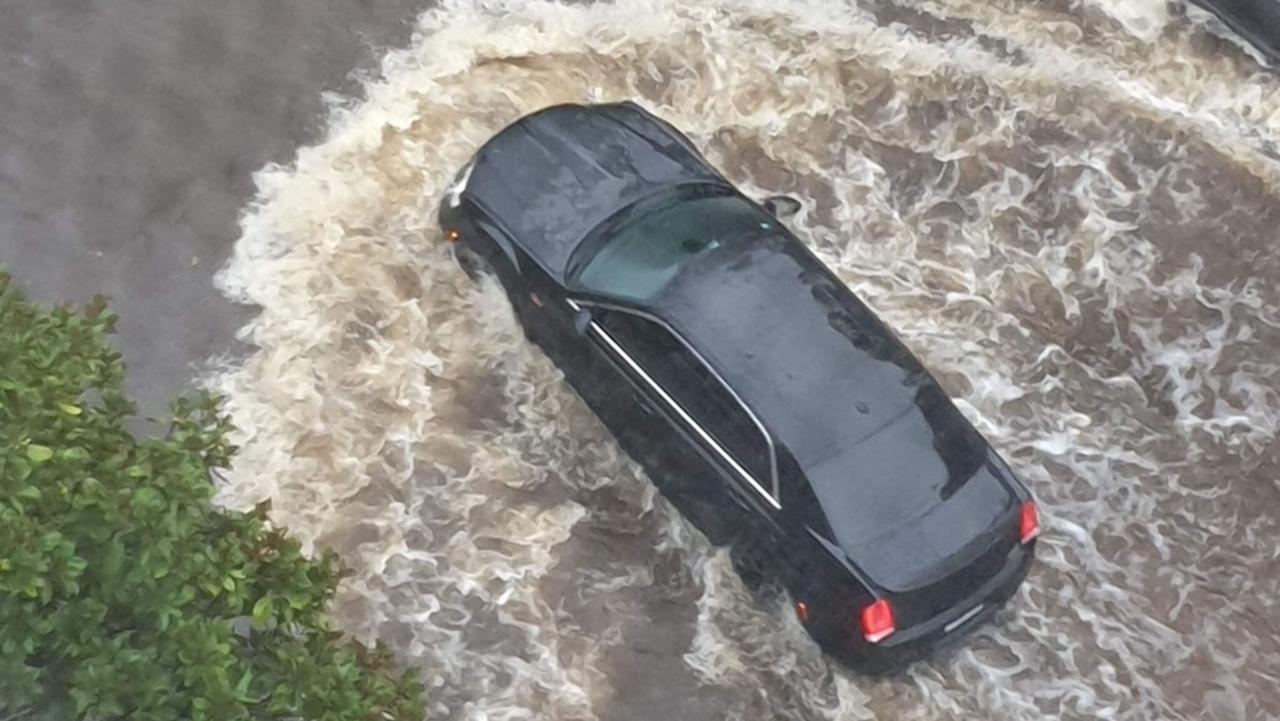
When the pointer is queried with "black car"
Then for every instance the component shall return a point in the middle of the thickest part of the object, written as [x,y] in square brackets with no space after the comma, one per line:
[1257,21]
[764,398]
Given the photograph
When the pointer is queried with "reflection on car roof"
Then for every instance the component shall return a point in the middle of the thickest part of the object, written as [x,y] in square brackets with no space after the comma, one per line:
[809,358]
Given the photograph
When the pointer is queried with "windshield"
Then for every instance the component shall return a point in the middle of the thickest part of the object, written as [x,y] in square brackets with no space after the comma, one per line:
[646,253]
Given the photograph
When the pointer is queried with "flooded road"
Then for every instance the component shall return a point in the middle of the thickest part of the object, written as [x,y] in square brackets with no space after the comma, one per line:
[1070,211]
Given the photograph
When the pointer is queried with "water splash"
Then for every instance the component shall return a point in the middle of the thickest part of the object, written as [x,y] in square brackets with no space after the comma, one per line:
[1069,211]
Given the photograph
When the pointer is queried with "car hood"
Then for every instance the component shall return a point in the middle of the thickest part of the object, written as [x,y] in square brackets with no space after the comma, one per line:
[552,176]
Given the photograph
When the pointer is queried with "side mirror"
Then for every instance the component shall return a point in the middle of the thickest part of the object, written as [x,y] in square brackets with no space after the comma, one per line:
[582,321]
[781,206]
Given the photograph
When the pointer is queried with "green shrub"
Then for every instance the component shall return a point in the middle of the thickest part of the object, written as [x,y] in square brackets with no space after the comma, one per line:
[124,594]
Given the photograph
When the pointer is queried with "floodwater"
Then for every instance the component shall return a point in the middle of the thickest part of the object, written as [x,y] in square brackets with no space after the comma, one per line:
[1069,210]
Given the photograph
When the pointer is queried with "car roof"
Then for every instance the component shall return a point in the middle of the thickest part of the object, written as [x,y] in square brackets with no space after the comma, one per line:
[810,359]
[551,177]
[904,482]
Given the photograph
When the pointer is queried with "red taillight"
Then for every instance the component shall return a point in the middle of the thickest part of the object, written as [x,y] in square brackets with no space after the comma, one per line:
[1029,522]
[877,620]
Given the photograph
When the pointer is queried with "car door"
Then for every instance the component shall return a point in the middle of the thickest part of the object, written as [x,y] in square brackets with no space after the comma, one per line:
[693,407]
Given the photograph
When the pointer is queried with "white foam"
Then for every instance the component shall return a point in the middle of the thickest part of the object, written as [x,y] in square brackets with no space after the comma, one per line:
[1020,218]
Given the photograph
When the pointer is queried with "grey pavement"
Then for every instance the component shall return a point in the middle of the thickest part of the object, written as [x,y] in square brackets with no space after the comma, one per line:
[129,130]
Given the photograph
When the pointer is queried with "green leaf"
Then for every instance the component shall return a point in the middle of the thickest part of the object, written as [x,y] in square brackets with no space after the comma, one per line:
[147,497]
[112,560]
[242,686]
[82,700]
[38,453]
[262,612]
[106,564]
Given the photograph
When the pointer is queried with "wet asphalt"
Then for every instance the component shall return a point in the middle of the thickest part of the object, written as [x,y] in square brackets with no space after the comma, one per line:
[129,135]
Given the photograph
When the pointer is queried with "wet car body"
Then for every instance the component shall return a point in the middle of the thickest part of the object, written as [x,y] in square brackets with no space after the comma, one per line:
[764,398]
[1257,21]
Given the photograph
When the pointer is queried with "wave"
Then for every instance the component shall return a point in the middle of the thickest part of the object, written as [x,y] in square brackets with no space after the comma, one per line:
[1069,211]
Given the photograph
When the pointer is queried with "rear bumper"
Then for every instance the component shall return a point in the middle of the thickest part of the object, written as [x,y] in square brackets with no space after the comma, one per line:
[908,645]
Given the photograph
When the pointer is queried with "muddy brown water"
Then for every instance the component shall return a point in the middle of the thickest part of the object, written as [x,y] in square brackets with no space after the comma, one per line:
[1070,210]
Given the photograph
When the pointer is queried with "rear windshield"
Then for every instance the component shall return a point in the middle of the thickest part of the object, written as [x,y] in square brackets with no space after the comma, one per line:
[647,252]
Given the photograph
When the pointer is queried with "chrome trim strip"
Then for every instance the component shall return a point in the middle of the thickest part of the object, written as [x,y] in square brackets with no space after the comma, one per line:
[960,621]
[772,498]
[768,439]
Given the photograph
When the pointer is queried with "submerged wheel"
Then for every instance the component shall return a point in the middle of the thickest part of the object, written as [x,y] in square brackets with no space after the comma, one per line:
[477,267]
[751,564]
[718,525]
[471,262]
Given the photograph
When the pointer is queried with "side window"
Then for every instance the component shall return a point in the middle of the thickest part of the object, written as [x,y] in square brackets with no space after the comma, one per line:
[700,393]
